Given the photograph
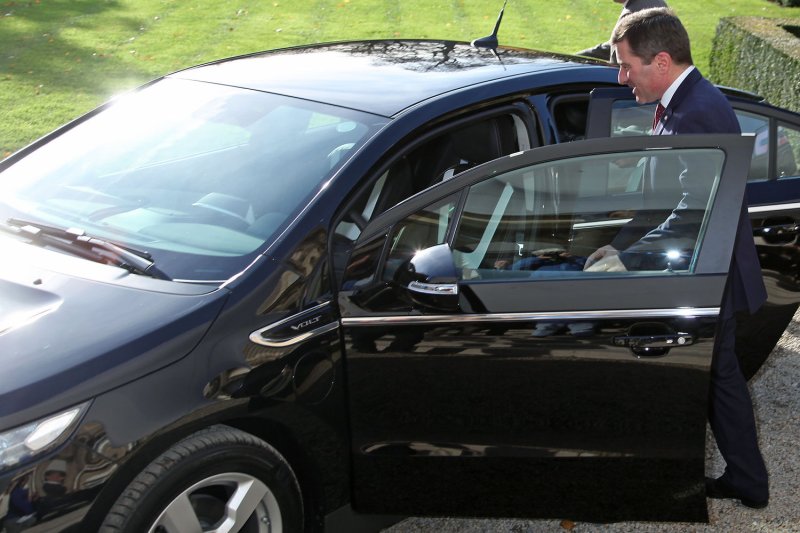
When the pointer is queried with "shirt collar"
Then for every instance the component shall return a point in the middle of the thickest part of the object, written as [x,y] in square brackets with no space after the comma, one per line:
[670,92]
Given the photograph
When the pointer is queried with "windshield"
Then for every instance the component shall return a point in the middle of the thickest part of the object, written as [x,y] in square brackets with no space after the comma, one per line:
[200,176]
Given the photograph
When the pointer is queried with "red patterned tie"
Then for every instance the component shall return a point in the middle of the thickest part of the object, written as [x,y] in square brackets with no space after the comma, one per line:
[659,113]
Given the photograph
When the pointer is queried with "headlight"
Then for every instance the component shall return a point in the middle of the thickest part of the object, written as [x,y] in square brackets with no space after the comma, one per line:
[22,443]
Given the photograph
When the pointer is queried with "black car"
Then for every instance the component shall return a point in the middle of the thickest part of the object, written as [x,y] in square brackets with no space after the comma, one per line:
[296,289]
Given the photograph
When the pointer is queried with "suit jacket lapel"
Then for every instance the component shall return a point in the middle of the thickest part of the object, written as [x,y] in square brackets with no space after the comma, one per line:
[680,94]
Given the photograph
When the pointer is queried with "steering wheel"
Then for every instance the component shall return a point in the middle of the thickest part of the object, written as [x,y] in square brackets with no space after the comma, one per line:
[236,212]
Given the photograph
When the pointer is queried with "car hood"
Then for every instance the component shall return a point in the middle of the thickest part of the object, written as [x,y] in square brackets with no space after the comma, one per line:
[71,329]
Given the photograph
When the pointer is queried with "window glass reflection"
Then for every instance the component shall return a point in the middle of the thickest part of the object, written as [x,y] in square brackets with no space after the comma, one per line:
[423,229]
[759,126]
[788,151]
[546,220]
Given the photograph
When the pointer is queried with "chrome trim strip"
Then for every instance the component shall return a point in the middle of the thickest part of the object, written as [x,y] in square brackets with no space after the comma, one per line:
[258,336]
[681,312]
[272,343]
[773,207]
[602,223]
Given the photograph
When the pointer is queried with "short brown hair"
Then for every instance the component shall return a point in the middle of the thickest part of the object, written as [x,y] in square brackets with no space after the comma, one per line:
[655,30]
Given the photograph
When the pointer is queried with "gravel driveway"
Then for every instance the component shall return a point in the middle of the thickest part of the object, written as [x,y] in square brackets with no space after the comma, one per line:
[776,397]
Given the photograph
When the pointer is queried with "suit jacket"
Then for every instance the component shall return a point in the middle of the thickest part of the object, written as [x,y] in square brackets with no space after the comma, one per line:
[638,5]
[696,107]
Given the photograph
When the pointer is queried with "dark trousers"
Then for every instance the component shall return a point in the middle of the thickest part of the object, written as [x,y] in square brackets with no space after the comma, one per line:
[731,416]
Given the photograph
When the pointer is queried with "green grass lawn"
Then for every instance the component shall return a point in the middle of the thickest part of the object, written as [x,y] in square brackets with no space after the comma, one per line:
[61,58]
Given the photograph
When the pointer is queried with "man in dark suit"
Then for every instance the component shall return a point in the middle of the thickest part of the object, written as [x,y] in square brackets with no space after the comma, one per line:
[654,58]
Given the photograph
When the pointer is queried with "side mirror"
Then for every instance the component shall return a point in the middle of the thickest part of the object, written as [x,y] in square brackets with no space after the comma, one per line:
[431,279]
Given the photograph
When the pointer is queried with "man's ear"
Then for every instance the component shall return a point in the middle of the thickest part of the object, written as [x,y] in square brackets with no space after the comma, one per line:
[663,62]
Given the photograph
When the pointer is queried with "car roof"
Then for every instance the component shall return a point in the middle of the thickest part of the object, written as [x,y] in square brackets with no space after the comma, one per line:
[383,77]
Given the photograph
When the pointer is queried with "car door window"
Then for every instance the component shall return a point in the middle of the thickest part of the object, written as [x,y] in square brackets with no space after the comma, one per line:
[424,229]
[374,261]
[569,114]
[788,140]
[759,126]
[544,221]
[787,146]
[437,159]
[629,118]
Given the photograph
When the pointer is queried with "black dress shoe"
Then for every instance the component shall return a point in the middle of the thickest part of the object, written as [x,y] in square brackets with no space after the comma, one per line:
[719,488]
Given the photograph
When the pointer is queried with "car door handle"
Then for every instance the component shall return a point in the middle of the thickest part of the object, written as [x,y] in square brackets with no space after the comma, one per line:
[655,341]
[653,345]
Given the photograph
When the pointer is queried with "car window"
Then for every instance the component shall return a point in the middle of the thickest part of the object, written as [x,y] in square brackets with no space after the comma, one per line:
[759,126]
[787,146]
[630,118]
[570,113]
[199,175]
[571,116]
[437,159]
[625,175]
[788,151]
[544,221]
[423,229]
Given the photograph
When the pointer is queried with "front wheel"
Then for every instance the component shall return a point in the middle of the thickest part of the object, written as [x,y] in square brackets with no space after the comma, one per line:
[217,480]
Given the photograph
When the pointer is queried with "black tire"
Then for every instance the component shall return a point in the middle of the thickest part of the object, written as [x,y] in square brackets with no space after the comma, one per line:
[206,470]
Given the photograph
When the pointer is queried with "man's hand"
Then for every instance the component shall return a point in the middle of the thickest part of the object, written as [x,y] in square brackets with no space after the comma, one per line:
[605,259]
[599,254]
[610,263]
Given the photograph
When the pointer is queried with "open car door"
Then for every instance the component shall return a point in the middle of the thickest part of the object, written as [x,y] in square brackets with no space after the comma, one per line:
[772,193]
[489,374]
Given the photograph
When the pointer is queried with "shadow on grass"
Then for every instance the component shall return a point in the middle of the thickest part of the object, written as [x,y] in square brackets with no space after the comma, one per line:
[67,79]
[34,52]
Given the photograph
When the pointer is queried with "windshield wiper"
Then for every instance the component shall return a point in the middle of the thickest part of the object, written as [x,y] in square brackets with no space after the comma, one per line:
[76,241]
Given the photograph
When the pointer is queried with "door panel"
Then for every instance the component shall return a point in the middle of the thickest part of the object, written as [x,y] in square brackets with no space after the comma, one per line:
[518,416]
[489,367]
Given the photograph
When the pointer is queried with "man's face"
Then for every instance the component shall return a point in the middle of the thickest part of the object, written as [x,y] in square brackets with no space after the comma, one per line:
[633,72]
